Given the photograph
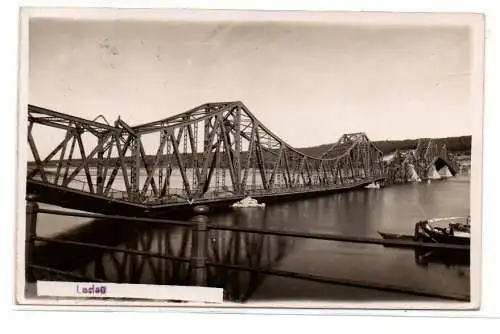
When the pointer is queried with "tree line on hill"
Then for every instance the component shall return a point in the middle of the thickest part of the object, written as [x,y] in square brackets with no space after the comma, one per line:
[454,144]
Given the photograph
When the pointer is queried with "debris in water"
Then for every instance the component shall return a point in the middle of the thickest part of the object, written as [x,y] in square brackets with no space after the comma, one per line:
[445,172]
[433,173]
[414,175]
[373,185]
[248,202]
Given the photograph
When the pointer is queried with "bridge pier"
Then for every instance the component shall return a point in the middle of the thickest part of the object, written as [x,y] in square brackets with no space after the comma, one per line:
[31,218]
[199,246]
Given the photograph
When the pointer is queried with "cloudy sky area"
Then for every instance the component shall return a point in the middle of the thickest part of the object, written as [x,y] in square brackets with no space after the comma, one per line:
[307,83]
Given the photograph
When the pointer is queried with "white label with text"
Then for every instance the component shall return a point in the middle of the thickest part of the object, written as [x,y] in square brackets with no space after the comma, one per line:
[138,291]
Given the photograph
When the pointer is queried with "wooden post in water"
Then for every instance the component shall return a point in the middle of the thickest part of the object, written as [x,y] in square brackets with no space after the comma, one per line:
[31,217]
[199,246]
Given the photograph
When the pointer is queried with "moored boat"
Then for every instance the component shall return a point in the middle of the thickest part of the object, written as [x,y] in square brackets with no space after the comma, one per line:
[456,232]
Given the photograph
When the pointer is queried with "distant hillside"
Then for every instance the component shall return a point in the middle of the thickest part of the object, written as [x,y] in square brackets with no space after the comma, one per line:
[454,144]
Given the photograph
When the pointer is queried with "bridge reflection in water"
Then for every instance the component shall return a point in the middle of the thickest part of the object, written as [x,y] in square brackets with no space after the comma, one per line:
[247,265]
[249,250]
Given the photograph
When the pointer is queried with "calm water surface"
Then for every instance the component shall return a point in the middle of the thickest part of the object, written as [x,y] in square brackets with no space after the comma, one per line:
[358,213]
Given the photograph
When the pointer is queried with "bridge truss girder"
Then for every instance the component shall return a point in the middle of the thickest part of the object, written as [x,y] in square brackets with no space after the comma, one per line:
[216,149]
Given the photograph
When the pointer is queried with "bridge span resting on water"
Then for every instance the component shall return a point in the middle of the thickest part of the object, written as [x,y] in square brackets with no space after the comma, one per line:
[421,163]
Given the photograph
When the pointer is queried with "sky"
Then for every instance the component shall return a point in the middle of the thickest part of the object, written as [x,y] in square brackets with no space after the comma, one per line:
[308,83]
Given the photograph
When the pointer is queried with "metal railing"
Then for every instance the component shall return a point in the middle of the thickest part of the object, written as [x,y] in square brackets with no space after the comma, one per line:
[179,195]
[83,186]
[200,226]
[212,193]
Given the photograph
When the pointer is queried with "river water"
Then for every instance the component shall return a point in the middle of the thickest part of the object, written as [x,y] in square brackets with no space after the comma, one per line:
[358,213]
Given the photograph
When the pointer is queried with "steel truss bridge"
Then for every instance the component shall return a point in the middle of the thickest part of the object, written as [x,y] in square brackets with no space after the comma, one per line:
[419,163]
[213,154]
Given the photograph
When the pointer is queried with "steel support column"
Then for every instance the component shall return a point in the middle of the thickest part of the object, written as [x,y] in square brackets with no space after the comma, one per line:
[135,167]
[100,158]
[237,150]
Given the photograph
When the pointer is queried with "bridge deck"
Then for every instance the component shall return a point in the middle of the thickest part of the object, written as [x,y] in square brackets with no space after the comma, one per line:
[82,200]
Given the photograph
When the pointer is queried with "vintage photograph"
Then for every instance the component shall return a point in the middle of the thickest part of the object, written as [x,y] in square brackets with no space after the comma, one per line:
[285,157]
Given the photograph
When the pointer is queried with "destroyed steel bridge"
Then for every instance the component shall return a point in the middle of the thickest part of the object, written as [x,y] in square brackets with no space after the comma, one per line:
[214,154]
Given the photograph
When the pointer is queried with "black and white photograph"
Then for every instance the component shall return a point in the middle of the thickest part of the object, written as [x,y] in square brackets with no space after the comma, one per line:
[250,158]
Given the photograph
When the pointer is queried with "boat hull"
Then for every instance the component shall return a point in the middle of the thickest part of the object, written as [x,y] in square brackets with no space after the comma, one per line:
[432,238]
